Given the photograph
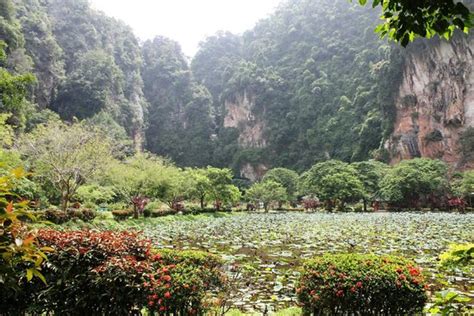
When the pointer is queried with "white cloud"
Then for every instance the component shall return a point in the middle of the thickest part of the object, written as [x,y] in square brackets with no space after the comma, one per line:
[186,21]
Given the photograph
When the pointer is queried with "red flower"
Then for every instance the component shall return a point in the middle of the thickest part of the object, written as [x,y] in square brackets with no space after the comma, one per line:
[353,289]
[340,293]
[359,284]
[166,278]
[312,292]
[167,295]
[150,303]
[414,272]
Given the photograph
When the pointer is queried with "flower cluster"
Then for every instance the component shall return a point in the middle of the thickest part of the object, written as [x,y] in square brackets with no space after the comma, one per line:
[117,272]
[362,284]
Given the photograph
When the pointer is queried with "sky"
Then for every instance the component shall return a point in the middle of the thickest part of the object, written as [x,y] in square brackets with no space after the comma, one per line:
[186,21]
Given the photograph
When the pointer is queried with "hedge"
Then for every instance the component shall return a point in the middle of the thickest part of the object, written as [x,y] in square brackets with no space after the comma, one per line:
[361,284]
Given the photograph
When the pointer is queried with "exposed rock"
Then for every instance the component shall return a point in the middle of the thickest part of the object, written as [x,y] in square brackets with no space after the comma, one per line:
[239,115]
[435,103]
[253,172]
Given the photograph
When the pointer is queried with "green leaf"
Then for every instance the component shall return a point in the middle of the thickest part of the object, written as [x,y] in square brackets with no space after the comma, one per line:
[29,274]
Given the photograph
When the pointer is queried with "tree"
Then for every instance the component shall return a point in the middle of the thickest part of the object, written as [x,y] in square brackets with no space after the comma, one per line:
[370,173]
[13,91]
[407,20]
[462,185]
[286,177]
[267,191]
[143,177]
[199,184]
[95,84]
[221,189]
[66,155]
[333,182]
[415,182]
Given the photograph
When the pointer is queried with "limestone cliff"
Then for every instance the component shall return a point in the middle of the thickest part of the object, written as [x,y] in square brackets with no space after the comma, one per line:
[239,115]
[435,102]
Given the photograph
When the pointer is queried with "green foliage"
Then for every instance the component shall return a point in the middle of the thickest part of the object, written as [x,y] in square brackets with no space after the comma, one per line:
[61,217]
[94,193]
[334,182]
[180,124]
[447,302]
[121,215]
[462,185]
[458,255]
[413,181]
[221,190]
[405,21]
[361,283]
[286,177]
[91,87]
[145,176]
[21,257]
[65,156]
[120,273]
[267,191]
[467,144]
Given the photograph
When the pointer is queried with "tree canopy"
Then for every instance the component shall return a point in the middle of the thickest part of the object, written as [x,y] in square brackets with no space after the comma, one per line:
[406,20]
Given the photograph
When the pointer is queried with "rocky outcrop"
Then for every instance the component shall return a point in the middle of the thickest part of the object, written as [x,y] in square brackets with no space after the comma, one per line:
[239,115]
[435,103]
[253,172]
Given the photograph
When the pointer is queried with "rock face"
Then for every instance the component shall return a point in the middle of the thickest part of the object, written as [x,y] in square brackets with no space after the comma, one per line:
[435,103]
[239,115]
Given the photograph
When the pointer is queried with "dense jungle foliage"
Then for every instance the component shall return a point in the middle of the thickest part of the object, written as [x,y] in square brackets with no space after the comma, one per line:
[321,82]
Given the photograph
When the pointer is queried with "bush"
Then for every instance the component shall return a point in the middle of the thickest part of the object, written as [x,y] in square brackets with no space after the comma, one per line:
[121,215]
[160,213]
[361,284]
[183,280]
[119,273]
[56,216]
[60,217]
[458,255]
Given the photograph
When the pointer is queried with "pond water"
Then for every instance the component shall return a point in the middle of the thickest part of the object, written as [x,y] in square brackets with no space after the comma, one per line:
[268,249]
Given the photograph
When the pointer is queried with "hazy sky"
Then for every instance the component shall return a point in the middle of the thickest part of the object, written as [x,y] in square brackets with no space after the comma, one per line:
[187,21]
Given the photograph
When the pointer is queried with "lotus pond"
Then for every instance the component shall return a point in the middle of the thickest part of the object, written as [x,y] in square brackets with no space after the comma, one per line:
[263,252]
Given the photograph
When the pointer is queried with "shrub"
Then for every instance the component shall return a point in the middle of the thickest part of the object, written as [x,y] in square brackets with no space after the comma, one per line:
[182,280]
[119,273]
[21,257]
[60,217]
[56,216]
[160,213]
[361,284]
[458,255]
[121,215]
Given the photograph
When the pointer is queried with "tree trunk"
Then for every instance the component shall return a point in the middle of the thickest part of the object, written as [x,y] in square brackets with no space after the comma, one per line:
[65,198]
[365,205]
[135,211]
[202,202]
[64,202]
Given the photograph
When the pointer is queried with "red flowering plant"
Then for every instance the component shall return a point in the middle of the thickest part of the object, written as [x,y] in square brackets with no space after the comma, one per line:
[99,272]
[361,284]
[181,281]
[119,273]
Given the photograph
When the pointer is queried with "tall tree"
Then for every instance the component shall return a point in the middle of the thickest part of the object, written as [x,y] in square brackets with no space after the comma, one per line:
[66,155]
